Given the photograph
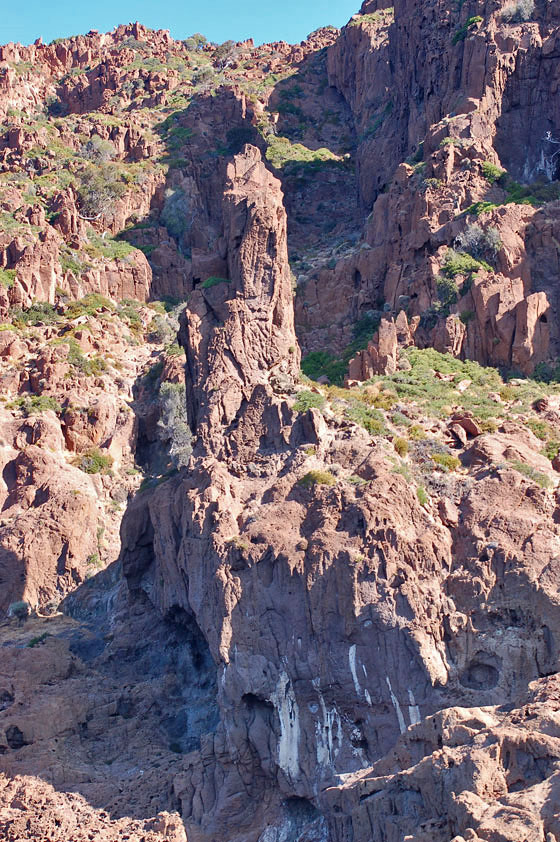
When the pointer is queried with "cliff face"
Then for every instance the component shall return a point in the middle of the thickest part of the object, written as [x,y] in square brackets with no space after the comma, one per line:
[451,95]
[332,614]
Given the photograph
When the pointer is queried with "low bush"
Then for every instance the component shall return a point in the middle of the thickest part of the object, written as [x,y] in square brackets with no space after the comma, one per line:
[417,433]
[94,461]
[309,400]
[446,461]
[531,473]
[401,446]
[39,313]
[522,10]
[479,242]
[173,426]
[88,306]
[422,495]
[213,281]
[491,172]
[98,188]
[20,610]
[461,263]
[317,478]
[7,278]
[448,293]
[370,419]
[176,213]
[37,403]
[467,28]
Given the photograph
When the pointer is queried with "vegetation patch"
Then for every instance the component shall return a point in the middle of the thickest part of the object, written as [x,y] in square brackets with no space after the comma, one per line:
[446,461]
[401,446]
[323,363]
[467,28]
[491,172]
[213,281]
[317,478]
[40,313]
[531,473]
[282,153]
[93,461]
[36,404]
[461,263]
[309,400]
[7,278]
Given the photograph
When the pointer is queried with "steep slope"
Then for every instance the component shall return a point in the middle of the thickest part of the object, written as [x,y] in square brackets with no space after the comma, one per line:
[332,613]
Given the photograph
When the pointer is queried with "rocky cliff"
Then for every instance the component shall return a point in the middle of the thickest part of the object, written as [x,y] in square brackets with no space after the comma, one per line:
[242,603]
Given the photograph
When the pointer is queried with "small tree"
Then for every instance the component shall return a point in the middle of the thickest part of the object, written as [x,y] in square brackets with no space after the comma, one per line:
[20,610]
[518,12]
[196,42]
[225,54]
[479,242]
[98,150]
[173,424]
[98,189]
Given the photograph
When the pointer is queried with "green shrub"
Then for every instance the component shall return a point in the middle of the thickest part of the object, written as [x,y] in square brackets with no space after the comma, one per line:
[213,281]
[551,449]
[88,306]
[309,400]
[491,172]
[400,420]
[94,561]
[36,641]
[547,372]
[417,433]
[176,212]
[422,495]
[98,150]
[107,248]
[36,404]
[446,461]
[38,313]
[539,428]
[448,293]
[94,462]
[20,610]
[479,208]
[401,446]
[531,473]
[98,188]
[434,395]
[317,478]
[7,278]
[460,263]
[281,152]
[479,242]
[323,364]
[468,27]
[467,316]
[508,393]
[90,367]
[128,310]
[370,419]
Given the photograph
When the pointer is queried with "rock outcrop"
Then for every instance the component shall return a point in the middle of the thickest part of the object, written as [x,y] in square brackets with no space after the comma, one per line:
[238,604]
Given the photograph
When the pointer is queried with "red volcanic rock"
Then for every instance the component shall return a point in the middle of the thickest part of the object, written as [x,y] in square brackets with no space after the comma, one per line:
[380,356]
[312,631]
[256,345]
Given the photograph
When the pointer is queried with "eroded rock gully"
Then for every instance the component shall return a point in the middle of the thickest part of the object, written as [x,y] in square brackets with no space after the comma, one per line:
[338,618]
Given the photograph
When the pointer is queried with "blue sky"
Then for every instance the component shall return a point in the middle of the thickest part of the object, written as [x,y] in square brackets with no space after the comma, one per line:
[219,20]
